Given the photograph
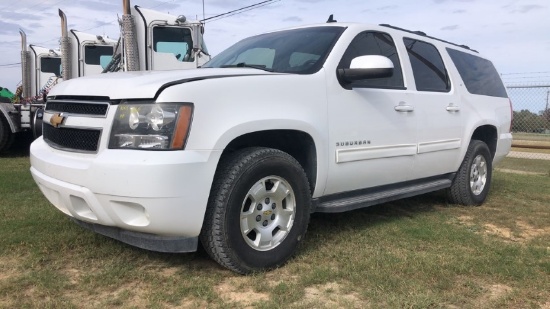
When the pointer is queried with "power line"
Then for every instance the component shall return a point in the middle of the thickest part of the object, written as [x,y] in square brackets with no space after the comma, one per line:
[163,3]
[10,64]
[241,10]
[525,77]
[525,73]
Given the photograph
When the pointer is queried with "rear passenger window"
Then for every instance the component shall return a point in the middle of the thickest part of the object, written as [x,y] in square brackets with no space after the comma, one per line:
[429,71]
[479,75]
[374,43]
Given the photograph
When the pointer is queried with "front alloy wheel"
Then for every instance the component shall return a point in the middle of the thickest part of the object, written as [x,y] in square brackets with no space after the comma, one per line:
[258,210]
[267,213]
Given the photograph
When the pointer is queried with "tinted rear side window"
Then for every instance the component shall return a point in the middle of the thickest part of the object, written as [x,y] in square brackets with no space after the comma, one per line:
[479,75]
[428,68]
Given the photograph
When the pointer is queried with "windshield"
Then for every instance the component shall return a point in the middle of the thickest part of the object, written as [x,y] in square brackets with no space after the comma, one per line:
[301,51]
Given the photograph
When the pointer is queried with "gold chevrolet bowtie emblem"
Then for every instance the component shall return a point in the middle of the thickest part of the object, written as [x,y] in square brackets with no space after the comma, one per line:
[57,119]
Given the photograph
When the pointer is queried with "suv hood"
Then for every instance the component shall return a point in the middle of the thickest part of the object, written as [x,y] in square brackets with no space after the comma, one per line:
[140,85]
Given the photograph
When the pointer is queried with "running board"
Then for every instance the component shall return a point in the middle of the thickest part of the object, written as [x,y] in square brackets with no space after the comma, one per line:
[351,201]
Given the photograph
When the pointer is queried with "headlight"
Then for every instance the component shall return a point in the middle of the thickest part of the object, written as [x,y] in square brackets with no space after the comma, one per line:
[151,126]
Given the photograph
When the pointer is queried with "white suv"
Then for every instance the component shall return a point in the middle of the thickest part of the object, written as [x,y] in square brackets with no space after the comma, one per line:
[237,154]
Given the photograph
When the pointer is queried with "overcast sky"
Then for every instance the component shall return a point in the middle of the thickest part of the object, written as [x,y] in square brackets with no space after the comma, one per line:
[515,35]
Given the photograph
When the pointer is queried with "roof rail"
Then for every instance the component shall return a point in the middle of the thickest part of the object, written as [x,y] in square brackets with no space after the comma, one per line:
[431,37]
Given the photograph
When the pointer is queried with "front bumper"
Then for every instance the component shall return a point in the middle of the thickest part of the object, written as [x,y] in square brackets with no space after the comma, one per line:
[162,194]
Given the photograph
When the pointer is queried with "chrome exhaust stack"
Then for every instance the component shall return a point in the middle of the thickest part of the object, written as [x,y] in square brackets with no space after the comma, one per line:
[25,66]
[65,45]
[131,53]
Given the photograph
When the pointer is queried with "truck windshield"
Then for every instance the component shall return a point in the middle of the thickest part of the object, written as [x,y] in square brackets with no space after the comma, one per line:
[300,51]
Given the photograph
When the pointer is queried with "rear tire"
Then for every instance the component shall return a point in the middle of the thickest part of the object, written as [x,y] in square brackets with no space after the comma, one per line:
[473,179]
[258,210]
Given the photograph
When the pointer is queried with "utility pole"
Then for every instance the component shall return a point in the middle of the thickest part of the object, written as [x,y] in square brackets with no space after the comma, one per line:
[547,112]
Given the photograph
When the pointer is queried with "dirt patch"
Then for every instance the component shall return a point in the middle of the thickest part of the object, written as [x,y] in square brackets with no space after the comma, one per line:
[169,272]
[492,293]
[235,290]
[502,232]
[132,295]
[523,231]
[466,220]
[74,275]
[331,295]
[505,170]
[529,232]
[545,306]
[8,268]
[193,304]
[526,231]
[280,275]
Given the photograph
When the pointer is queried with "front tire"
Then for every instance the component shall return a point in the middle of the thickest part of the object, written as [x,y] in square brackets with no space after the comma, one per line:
[258,210]
[473,180]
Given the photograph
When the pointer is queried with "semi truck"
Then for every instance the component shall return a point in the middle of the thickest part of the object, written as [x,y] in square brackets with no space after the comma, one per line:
[150,40]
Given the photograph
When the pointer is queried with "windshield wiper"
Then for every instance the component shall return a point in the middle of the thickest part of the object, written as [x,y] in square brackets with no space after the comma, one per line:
[246,65]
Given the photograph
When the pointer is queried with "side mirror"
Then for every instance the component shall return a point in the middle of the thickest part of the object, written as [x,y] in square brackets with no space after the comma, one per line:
[366,67]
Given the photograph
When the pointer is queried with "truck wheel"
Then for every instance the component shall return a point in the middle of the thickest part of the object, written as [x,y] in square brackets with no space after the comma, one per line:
[258,210]
[473,180]
[6,136]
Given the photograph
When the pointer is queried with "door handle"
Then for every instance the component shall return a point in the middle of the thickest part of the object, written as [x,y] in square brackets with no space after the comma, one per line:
[453,108]
[404,108]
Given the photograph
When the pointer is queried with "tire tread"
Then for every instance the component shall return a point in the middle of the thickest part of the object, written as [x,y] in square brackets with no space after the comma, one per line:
[212,237]
[460,192]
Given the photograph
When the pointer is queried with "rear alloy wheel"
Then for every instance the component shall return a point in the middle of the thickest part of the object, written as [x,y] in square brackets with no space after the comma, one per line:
[258,210]
[473,179]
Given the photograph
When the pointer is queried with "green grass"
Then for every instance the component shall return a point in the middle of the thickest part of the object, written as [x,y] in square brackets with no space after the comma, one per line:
[416,253]
[525,165]
[531,137]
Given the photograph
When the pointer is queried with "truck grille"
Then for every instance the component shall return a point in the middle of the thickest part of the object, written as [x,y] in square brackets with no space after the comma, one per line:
[85,140]
[78,108]
[74,138]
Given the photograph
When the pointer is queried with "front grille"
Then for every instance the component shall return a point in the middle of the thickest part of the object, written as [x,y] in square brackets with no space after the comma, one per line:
[86,140]
[78,108]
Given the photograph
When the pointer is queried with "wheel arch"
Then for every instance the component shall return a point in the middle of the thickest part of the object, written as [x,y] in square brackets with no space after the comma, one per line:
[487,134]
[296,143]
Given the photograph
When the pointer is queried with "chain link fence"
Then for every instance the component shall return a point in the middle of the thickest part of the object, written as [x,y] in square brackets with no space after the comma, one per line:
[531,125]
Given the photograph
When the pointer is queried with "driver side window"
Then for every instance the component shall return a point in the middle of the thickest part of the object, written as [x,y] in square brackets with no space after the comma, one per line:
[374,43]
[173,40]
